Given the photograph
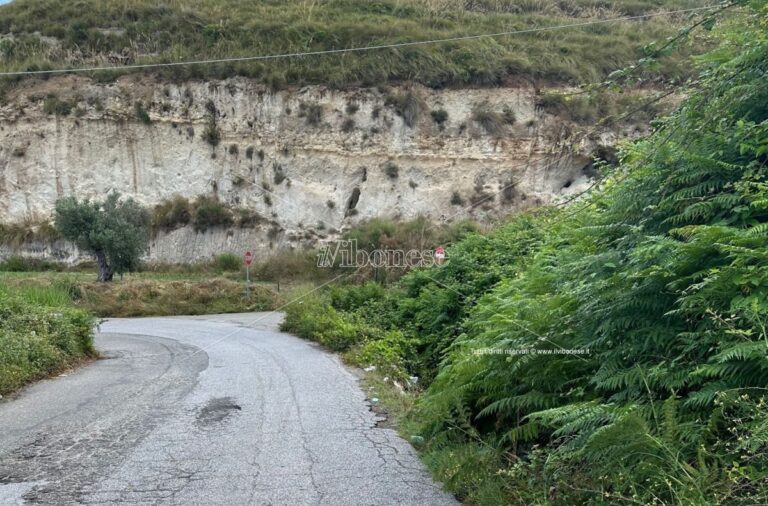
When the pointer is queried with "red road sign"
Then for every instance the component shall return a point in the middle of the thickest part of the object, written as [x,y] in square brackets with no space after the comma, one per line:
[248,258]
[439,254]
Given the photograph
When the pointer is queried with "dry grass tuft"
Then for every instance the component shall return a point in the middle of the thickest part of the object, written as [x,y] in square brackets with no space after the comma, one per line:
[165,298]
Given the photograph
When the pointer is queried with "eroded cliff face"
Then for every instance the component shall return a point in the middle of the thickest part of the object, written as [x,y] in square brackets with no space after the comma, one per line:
[311,161]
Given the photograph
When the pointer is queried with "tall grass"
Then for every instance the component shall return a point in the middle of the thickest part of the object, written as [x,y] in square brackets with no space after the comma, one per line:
[148,294]
[94,31]
[43,295]
[40,334]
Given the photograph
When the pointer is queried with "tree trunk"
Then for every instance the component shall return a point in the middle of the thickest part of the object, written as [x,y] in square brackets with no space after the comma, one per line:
[105,270]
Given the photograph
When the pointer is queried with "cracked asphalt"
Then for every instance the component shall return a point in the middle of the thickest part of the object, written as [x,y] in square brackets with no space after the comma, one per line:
[207,410]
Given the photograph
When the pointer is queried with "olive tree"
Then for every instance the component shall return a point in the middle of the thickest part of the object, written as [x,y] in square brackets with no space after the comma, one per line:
[115,231]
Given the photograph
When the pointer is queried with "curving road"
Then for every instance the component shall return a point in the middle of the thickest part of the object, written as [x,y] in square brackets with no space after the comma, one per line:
[205,410]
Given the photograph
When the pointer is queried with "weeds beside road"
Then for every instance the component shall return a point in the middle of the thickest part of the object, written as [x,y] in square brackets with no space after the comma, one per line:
[40,337]
[47,318]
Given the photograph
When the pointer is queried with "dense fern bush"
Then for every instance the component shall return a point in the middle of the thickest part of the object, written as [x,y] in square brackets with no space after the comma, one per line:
[660,282]
[612,351]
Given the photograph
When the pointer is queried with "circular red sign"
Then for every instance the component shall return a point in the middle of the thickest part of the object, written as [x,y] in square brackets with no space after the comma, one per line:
[248,258]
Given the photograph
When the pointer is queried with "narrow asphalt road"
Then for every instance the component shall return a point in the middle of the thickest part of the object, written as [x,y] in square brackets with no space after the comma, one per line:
[205,410]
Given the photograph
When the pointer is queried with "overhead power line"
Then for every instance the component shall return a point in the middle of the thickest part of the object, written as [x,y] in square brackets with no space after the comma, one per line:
[358,49]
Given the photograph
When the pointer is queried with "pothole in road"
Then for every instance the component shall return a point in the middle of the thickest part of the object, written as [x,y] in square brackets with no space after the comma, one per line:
[216,410]
[382,416]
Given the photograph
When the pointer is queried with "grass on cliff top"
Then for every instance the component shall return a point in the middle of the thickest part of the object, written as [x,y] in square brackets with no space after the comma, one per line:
[45,34]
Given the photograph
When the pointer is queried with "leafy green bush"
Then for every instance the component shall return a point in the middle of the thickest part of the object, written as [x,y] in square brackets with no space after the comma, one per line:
[313,318]
[337,332]
[386,350]
[210,213]
[349,298]
[38,340]
[229,262]
[171,214]
[439,116]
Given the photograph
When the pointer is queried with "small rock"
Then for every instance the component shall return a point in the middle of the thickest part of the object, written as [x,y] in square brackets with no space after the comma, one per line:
[414,380]
[370,368]
[417,440]
[374,400]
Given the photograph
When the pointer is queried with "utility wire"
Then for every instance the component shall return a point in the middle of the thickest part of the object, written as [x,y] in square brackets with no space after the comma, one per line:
[357,49]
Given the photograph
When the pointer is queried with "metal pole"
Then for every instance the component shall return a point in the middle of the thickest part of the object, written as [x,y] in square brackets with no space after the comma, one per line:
[248,281]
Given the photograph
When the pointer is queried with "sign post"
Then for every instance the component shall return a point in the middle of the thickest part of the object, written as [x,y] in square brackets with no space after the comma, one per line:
[248,259]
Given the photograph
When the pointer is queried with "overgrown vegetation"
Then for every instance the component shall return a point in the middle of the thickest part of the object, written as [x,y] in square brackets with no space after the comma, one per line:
[589,108]
[40,335]
[203,213]
[18,263]
[439,116]
[209,212]
[312,113]
[391,170]
[167,298]
[141,113]
[91,32]
[407,105]
[15,234]
[155,294]
[493,122]
[53,105]
[212,134]
[611,351]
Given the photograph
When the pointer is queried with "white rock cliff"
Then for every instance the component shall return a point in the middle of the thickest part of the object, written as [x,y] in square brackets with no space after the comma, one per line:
[302,157]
